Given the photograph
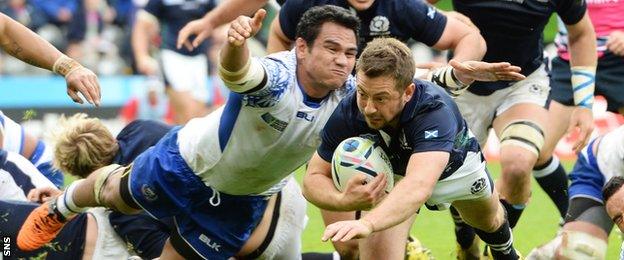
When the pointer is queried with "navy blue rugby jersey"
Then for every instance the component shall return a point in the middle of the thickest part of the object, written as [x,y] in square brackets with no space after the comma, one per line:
[401,19]
[173,15]
[136,137]
[430,121]
[513,31]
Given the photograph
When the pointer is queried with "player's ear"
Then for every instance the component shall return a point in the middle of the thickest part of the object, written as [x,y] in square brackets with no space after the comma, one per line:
[302,47]
[409,92]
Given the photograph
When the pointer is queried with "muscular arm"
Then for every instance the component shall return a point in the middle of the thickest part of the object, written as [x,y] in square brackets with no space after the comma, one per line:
[582,40]
[145,28]
[22,43]
[227,11]
[466,42]
[318,187]
[278,41]
[423,171]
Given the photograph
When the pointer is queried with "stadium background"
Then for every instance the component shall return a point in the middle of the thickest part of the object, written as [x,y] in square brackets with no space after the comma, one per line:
[37,98]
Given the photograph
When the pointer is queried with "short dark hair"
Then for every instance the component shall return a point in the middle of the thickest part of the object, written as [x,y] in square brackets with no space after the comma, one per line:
[312,20]
[388,57]
[612,186]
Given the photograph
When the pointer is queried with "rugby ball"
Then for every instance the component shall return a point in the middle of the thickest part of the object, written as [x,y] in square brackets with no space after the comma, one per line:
[358,155]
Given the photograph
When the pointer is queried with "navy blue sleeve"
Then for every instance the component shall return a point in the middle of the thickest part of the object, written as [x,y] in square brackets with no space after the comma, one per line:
[434,130]
[420,20]
[289,16]
[155,8]
[570,11]
[337,129]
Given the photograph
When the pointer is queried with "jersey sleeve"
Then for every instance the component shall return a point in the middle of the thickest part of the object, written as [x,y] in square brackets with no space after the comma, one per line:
[289,16]
[279,76]
[433,130]
[571,11]
[335,131]
[154,7]
[421,21]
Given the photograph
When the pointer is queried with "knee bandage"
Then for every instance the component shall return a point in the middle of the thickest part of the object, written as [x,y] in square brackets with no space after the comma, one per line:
[245,79]
[524,133]
[102,176]
[580,245]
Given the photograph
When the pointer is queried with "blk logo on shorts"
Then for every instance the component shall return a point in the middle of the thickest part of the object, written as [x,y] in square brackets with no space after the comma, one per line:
[478,186]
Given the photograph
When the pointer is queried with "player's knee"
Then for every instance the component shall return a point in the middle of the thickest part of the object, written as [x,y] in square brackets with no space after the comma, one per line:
[581,245]
[347,250]
[525,134]
[517,169]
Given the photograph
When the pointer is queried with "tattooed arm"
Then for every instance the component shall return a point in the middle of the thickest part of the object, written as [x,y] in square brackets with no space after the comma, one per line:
[22,43]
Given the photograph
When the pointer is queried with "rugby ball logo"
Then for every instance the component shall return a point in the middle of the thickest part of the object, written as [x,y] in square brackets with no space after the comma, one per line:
[357,155]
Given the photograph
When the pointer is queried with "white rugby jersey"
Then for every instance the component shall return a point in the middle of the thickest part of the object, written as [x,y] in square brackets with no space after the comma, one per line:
[610,154]
[18,176]
[13,141]
[258,138]
[12,134]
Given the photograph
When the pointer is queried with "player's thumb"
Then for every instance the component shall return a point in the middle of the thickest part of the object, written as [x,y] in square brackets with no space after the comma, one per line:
[258,17]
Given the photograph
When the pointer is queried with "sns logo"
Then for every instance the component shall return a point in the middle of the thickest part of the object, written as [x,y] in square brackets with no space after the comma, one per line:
[209,242]
[305,116]
[6,246]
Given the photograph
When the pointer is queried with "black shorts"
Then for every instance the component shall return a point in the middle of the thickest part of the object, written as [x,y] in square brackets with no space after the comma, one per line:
[68,244]
[609,81]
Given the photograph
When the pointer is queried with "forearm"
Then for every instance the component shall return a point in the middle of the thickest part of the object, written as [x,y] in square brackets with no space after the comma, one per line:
[404,200]
[583,49]
[470,47]
[143,30]
[277,41]
[319,190]
[233,58]
[227,11]
[22,43]
[582,40]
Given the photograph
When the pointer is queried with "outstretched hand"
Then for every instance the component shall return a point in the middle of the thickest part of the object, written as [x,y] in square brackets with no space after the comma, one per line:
[346,230]
[470,71]
[201,28]
[245,27]
[84,81]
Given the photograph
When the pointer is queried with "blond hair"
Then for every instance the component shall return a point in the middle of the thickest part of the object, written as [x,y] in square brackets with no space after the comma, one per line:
[388,57]
[82,145]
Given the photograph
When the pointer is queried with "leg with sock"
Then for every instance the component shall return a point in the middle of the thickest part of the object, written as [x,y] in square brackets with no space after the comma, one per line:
[553,179]
[500,242]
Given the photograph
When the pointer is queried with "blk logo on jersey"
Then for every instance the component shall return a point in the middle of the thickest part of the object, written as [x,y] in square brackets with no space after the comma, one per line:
[431,134]
[305,116]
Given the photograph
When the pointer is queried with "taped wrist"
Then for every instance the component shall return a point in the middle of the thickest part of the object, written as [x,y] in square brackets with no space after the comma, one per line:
[65,65]
[245,79]
[583,85]
[445,77]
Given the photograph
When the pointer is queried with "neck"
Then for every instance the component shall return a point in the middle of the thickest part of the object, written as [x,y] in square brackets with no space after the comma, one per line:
[312,88]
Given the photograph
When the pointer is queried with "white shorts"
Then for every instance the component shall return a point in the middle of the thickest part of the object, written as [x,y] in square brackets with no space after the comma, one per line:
[471,181]
[480,111]
[186,73]
[286,242]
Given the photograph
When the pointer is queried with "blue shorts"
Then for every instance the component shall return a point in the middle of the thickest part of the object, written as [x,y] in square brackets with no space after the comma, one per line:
[609,81]
[586,179]
[214,224]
